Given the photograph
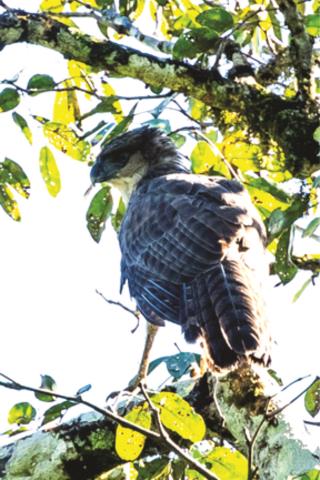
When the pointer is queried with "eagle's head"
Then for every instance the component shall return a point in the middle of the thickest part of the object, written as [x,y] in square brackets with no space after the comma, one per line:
[132,153]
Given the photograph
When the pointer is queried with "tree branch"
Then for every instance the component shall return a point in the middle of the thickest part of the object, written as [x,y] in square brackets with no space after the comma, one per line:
[266,113]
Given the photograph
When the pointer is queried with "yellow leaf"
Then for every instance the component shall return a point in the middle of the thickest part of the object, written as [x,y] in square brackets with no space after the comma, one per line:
[52,5]
[49,171]
[240,153]
[109,91]
[66,108]
[225,463]
[65,140]
[203,159]
[8,203]
[198,109]
[138,11]
[129,443]
[153,7]
[178,415]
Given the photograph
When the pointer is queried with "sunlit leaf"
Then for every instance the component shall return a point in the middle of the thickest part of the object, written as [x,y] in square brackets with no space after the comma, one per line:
[98,212]
[22,124]
[56,411]
[129,443]
[310,475]
[312,399]
[313,25]
[178,139]
[9,99]
[223,462]
[22,413]
[204,159]
[55,6]
[47,383]
[198,110]
[40,83]
[49,171]
[216,18]
[178,415]
[109,91]
[12,174]
[66,140]
[8,203]
[66,107]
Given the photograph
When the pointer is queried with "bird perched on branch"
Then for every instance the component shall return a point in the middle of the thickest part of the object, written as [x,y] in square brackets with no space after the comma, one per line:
[192,247]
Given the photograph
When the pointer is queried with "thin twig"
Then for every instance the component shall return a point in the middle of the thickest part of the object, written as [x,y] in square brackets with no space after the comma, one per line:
[280,409]
[14,385]
[168,440]
[135,313]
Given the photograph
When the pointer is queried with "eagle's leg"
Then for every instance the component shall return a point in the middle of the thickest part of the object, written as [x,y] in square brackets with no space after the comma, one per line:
[144,363]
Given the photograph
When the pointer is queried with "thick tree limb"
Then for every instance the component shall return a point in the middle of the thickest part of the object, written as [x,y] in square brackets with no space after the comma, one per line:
[300,44]
[84,448]
[266,113]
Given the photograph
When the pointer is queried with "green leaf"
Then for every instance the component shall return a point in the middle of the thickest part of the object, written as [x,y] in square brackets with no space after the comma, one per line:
[66,140]
[312,25]
[204,38]
[316,134]
[310,475]
[47,383]
[117,217]
[184,47]
[284,266]
[311,228]
[276,222]
[121,127]
[98,212]
[22,124]
[8,203]
[12,174]
[9,99]
[298,294]
[129,443]
[177,365]
[224,463]
[106,105]
[178,415]
[316,182]
[49,171]
[22,413]
[312,399]
[40,83]
[56,411]
[178,139]
[216,18]
[154,469]
[275,24]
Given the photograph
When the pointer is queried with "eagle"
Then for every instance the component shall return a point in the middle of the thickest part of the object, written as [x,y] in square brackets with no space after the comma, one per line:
[192,247]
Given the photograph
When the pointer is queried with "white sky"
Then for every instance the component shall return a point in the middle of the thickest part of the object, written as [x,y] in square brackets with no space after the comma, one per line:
[53,322]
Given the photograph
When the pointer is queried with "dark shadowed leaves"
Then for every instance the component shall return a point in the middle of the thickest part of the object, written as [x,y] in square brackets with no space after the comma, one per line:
[98,212]
[177,365]
[217,19]
[56,411]
[22,413]
[121,127]
[40,83]
[9,99]
[312,399]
